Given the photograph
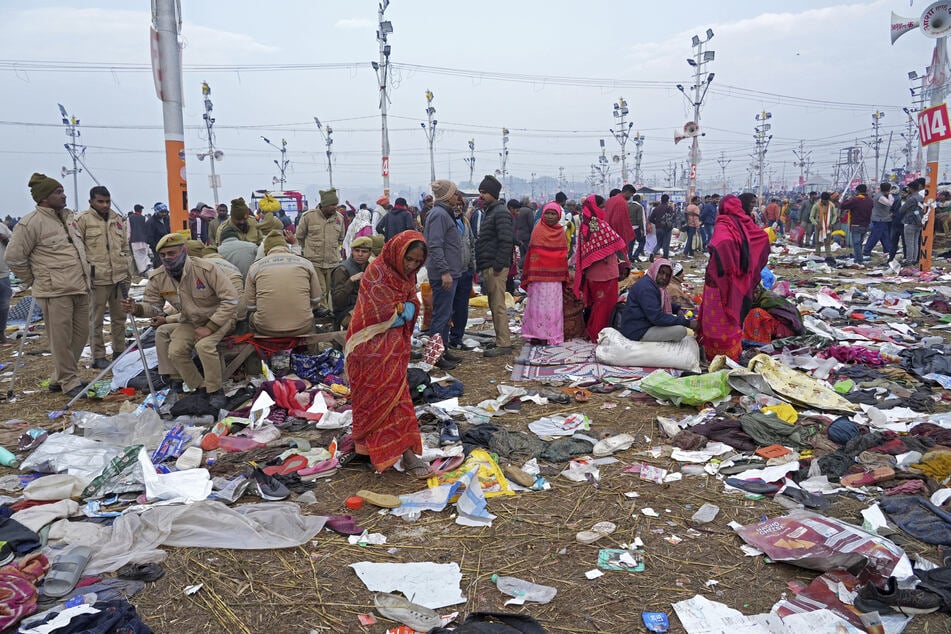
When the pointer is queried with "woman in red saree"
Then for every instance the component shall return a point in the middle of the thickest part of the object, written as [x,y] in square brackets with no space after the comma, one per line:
[596,266]
[377,355]
[544,274]
[738,252]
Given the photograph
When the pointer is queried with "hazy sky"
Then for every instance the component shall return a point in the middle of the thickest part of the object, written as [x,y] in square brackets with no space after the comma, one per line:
[514,56]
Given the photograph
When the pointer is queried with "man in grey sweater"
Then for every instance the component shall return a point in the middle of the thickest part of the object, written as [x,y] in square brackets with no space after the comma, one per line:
[444,264]
[881,220]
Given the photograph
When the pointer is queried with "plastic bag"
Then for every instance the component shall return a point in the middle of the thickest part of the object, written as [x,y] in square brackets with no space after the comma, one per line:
[491,478]
[616,349]
[78,456]
[768,278]
[122,429]
[687,390]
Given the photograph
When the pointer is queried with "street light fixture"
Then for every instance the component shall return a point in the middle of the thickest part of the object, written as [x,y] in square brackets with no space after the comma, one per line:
[382,69]
[212,154]
[283,163]
[622,134]
[700,86]
[327,134]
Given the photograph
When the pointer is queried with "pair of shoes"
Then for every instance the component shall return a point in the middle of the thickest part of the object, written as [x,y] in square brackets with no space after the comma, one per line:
[498,351]
[446,364]
[454,358]
[79,389]
[99,364]
[892,599]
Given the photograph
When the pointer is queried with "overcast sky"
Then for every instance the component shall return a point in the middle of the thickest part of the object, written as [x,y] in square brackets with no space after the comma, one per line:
[514,56]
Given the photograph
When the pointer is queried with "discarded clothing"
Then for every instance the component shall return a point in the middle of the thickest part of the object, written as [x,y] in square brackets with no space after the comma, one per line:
[109,617]
[727,430]
[515,443]
[936,464]
[919,518]
[17,536]
[922,361]
[939,434]
[564,449]
[769,430]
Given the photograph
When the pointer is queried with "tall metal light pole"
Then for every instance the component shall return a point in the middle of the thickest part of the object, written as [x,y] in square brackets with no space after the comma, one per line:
[723,162]
[934,23]
[430,133]
[382,69]
[802,163]
[214,180]
[504,157]
[699,61]
[167,73]
[762,142]
[638,155]
[470,161]
[876,138]
[602,168]
[328,135]
[282,164]
[74,149]
[622,133]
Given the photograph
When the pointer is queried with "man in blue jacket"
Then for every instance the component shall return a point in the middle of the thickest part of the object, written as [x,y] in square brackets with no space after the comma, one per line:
[443,263]
[708,218]
[649,314]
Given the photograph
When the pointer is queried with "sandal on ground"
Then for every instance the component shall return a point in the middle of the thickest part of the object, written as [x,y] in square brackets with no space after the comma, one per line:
[596,532]
[292,464]
[343,525]
[756,486]
[382,500]
[447,464]
[612,444]
[346,457]
[65,571]
[418,469]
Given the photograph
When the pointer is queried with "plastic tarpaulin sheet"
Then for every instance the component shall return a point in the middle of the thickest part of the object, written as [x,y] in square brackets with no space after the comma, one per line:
[207,524]
[687,390]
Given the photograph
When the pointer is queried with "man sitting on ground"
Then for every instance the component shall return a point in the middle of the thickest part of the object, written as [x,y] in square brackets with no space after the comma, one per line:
[207,304]
[281,291]
[345,281]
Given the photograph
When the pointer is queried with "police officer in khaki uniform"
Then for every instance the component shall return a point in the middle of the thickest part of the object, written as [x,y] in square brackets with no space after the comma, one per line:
[282,290]
[240,218]
[320,235]
[197,249]
[207,304]
[104,235]
[47,253]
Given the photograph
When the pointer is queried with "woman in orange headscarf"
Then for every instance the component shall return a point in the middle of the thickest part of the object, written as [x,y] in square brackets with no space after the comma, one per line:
[596,265]
[377,353]
[543,276]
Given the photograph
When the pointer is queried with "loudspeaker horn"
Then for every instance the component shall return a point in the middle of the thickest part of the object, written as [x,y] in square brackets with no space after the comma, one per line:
[936,19]
[901,25]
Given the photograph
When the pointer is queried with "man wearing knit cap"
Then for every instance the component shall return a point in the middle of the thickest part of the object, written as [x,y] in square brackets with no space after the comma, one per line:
[235,250]
[281,291]
[320,234]
[346,281]
[104,236]
[241,220]
[444,264]
[206,303]
[494,258]
[158,226]
[47,253]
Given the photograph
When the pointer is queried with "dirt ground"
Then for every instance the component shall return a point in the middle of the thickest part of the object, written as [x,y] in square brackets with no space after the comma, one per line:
[533,537]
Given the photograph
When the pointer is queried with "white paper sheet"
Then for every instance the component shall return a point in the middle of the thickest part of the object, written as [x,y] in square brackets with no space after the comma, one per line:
[427,583]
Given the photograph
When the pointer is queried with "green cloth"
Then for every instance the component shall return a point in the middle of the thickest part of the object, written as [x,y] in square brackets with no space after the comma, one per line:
[687,390]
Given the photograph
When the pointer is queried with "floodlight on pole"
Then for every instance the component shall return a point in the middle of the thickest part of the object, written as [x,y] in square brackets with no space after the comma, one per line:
[283,163]
[327,134]
[214,180]
[382,70]
[700,86]
[504,157]
[74,149]
[761,143]
[622,133]
[470,161]
[430,133]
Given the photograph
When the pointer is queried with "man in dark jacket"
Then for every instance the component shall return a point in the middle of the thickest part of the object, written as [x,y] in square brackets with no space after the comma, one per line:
[860,216]
[139,240]
[443,263]
[158,228]
[396,220]
[494,257]
[708,218]
[912,217]
[662,217]
[524,224]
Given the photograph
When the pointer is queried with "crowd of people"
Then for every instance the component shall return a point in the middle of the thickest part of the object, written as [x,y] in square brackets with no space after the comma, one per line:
[237,270]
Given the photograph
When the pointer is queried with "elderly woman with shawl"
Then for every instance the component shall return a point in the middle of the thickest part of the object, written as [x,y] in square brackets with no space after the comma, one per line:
[738,252]
[596,265]
[649,314]
[544,273]
[377,355]
[359,227]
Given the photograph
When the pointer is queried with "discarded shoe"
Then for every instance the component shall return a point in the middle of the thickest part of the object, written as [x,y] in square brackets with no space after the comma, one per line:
[65,571]
[596,532]
[449,434]
[445,465]
[268,487]
[402,610]
[148,572]
[383,500]
[892,599]
[753,486]
[343,525]
[613,444]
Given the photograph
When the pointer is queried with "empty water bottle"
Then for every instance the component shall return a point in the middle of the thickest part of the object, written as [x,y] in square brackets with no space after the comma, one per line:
[524,590]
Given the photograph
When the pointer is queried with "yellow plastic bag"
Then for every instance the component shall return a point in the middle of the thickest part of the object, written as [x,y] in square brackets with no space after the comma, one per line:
[491,478]
[482,301]
[783,411]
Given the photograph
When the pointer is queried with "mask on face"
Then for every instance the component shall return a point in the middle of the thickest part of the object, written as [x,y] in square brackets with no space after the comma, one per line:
[175,265]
